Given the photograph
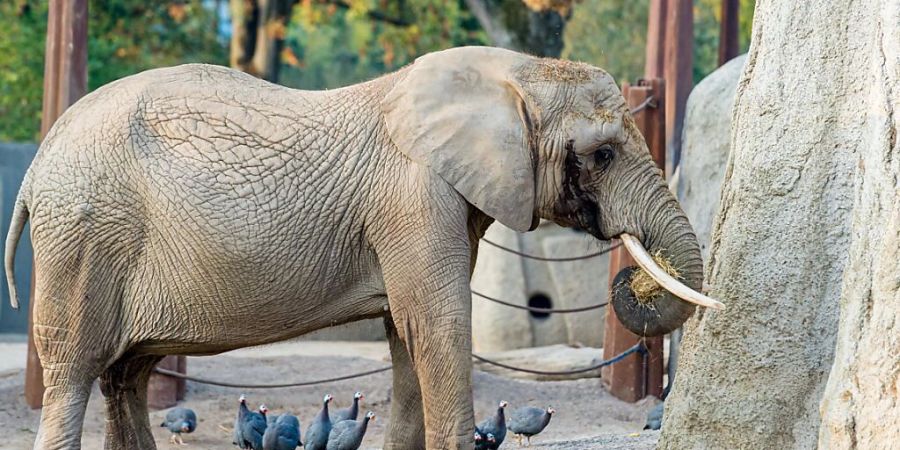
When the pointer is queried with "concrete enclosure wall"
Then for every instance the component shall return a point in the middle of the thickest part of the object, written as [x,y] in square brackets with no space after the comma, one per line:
[515,279]
[14,161]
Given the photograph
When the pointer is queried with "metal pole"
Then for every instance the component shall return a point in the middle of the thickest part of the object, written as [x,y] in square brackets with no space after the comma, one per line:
[65,81]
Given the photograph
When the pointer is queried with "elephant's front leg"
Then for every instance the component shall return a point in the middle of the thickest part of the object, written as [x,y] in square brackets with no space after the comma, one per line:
[407,432]
[428,292]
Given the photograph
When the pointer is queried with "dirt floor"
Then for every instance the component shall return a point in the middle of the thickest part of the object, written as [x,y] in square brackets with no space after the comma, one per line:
[587,416]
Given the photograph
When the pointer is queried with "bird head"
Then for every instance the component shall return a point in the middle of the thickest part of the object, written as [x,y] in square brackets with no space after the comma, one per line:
[503,404]
[550,410]
[185,427]
[478,437]
[263,410]
[327,398]
[370,415]
[242,399]
[491,438]
[359,396]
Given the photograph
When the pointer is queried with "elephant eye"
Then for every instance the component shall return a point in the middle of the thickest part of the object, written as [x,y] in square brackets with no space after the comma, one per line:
[603,156]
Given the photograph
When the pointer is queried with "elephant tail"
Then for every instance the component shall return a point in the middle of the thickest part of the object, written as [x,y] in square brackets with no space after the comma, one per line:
[19,218]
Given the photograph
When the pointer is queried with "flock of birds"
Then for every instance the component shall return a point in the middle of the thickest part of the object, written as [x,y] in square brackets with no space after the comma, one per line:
[340,430]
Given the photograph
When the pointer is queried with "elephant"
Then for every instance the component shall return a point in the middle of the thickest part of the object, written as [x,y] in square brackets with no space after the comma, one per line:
[196,209]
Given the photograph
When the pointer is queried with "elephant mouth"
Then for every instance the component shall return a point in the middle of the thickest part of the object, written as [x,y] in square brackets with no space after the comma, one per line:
[662,277]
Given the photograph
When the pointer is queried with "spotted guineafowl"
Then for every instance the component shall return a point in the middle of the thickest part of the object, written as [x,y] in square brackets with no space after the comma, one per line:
[348,434]
[283,433]
[319,428]
[180,420]
[348,413]
[237,436]
[529,421]
[495,425]
[253,426]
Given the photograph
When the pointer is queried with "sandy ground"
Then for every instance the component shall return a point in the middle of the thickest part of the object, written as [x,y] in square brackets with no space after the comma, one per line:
[587,417]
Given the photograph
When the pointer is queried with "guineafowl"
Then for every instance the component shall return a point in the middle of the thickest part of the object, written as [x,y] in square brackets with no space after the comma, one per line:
[348,434]
[180,420]
[319,428]
[282,434]
[529,421]
[481,442]
[238,437]
[253,426]
[348,413]
[655,416]
[495,425]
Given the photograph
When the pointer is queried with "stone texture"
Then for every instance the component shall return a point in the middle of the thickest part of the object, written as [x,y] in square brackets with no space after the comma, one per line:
[806,235]
[705,143]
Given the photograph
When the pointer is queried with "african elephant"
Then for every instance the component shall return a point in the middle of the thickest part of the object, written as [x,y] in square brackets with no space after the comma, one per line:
[194,210]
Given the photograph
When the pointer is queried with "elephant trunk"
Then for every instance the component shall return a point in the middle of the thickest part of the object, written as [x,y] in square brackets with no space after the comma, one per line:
[646,299]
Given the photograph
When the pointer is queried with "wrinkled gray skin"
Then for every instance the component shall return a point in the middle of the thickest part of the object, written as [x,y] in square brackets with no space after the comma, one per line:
[170,208]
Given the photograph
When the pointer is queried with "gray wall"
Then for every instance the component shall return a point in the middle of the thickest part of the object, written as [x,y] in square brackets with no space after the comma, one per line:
[14,161]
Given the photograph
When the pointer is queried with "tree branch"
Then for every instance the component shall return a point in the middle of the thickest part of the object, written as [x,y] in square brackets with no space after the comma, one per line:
[373,14]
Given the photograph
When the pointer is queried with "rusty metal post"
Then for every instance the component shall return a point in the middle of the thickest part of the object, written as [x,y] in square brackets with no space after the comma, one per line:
[655,57]
[630,380]
[162,391]
[65,81]
[728,31]
[678,73]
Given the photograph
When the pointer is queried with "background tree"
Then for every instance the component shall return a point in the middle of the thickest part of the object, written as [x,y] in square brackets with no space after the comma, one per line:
[315,44]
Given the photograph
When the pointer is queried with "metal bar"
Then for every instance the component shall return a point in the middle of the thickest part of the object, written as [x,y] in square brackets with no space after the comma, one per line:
[729,44]
[634,378]
[65,81]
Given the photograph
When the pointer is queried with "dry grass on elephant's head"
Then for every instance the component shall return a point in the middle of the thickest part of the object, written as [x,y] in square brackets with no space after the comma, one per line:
[644,286]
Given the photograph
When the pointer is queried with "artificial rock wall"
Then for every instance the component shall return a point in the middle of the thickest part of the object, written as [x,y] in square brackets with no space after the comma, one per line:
[805,243]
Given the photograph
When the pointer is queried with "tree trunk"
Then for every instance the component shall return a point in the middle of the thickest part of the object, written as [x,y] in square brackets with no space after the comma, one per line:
[257,38]
[805,244]
[513,25]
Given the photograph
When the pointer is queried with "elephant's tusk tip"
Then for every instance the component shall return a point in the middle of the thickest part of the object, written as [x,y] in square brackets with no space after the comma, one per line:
[643,258]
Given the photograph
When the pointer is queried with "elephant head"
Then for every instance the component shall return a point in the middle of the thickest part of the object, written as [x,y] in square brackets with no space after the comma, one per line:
[525,138]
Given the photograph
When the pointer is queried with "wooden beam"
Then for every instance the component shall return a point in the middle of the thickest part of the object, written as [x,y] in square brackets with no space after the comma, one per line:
[162,391]
[656,40]
[729,44]
[630,380]
[65,81]
[678,74]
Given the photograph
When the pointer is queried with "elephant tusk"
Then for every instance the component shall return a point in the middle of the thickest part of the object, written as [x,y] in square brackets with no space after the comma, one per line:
[677,288]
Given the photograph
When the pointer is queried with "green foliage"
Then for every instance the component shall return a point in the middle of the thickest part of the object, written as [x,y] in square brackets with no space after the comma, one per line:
[612,34]
[21,69]
[329,46]
[125,37]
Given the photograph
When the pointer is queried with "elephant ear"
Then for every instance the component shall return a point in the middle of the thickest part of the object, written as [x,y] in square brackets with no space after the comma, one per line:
[461,113]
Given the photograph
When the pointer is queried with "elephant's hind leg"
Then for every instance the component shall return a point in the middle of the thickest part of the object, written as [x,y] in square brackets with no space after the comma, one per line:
[124,384]
[407,425]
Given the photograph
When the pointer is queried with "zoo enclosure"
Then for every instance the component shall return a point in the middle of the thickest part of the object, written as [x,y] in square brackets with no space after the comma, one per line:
[669,56]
